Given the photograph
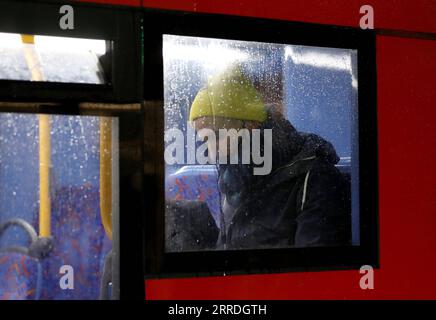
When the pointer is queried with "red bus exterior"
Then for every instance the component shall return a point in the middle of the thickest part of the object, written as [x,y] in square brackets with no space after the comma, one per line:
[406,70]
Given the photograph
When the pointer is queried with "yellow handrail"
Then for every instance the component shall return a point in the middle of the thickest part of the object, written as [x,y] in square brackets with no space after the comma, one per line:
[44,176]
[44,142]
[45,152]
[32,57]
[106,174]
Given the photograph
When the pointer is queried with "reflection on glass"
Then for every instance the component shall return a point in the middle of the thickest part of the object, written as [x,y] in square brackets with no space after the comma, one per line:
[52,59]
[260,145]
[56,206]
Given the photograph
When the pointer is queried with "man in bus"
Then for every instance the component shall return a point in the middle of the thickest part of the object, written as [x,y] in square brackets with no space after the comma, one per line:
[302,201]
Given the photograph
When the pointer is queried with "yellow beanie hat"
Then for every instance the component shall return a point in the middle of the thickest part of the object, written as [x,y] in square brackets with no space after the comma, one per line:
[229,95]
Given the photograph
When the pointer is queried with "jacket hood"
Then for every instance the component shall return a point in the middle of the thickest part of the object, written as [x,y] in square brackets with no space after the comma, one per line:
[316,146]
[291,146]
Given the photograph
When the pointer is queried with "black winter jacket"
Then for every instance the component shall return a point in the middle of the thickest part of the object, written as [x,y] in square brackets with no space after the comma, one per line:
[304,201]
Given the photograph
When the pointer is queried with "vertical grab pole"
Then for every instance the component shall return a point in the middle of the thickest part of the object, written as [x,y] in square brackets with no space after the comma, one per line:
[115,212]
[44,176]
[106,174]
[106,206]
[32,61]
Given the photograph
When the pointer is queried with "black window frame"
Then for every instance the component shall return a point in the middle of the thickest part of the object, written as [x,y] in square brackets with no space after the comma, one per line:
[160,264]
[123,25]
[119,26]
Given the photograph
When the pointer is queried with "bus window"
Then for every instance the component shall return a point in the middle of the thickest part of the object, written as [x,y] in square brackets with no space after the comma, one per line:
[291,178]
[58,206]
[53,59]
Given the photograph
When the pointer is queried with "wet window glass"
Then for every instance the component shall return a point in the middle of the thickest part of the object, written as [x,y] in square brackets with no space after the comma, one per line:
[58,206]
[261,146]
[52,59]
